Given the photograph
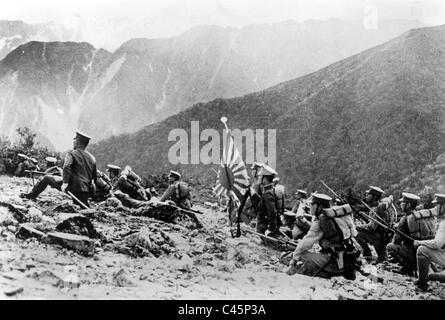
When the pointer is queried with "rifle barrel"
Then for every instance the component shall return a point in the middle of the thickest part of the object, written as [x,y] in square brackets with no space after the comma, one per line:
[270,238]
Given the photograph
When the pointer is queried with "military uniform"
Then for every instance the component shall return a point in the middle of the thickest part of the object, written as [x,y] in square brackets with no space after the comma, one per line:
[177,191]
[268,216]
[372,233]
[432,251]
[79,170]
[338,252]
[401,250]
[27,164]
[52,178]
[122,189]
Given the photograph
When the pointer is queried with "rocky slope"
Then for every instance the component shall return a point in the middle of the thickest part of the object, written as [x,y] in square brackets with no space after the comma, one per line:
[126,262]
[369,119]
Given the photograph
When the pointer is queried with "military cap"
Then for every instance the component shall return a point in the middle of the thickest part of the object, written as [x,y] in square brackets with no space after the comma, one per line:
[440,198]
[320,198]
[290,213]
[300,191]
[375,190]
[409,197]
[256,165]
[51,160]
[34,160]
[82,136]
[175,174]
[21,155]
[267,171]
[113,168]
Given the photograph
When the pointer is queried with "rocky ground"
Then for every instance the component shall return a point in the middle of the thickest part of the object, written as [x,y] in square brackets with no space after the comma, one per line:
[50,249]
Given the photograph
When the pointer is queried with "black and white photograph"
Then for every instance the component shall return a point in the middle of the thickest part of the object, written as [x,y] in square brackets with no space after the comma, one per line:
[222,150]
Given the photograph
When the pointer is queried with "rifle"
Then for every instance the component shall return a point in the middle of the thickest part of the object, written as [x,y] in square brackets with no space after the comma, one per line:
[282,241]
[190,213]
[362,217]
[383,225]
[83,205]
[32,173]
[238,216]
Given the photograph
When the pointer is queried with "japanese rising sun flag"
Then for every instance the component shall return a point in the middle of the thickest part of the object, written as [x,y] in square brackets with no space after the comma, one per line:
[233,179]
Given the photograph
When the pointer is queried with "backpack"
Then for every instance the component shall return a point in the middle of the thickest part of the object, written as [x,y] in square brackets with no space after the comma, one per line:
[422,224]
[391,213]
[279,198]
[338,226]
[182,191]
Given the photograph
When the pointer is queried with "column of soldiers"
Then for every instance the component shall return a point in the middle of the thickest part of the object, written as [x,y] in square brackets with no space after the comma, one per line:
[80,178]
[414,242]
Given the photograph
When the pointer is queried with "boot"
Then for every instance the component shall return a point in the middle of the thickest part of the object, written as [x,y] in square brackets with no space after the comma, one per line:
[293,268]
[423,266]
[27,196]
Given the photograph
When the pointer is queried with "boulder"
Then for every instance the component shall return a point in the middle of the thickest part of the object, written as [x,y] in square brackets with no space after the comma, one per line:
[79,244]
[77,224]
[27,231]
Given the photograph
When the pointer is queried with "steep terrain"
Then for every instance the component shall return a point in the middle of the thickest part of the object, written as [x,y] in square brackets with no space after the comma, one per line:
[126,262]
[147,80]
[16,33]
[369,119]
[43,85]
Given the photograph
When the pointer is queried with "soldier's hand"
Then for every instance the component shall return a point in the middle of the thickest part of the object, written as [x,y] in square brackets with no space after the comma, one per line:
[64,186]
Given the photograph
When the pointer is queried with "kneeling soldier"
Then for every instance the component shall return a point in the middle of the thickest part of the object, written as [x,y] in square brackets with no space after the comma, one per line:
[432,251]
[401,249]
[334,231]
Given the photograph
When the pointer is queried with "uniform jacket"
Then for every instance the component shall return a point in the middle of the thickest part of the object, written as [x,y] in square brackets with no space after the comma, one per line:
[439,240]
[267,207]
[79,170]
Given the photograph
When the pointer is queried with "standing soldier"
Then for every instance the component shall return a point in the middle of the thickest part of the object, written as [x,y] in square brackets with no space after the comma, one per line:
[267,219]
[402,250]
[52,177]
[178,191]
[372,233]
[334,232]
[79,170]
[432,251]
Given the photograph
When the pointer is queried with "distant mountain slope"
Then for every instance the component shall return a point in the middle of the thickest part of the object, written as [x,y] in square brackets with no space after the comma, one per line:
[43,85]
[147,80]
[16,33]
[372,118]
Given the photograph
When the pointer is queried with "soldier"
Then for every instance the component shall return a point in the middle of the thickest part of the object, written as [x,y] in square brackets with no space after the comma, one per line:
[177,191]
[267,218]
[301,197]
[79,170]
[52,177]
[372,233]
[402,250]
[338,253]
[431,251]
[26,164]
[125,187]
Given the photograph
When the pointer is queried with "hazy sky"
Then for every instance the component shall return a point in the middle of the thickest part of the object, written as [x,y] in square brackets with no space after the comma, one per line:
[108,23]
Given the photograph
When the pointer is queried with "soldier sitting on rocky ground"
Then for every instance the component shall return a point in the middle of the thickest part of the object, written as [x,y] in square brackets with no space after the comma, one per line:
[178,191]
[52,177]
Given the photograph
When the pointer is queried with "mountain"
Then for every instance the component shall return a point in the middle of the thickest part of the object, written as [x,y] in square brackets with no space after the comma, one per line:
[153,79]
[147,80]
[43,85]
[372,118]
[16,33]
